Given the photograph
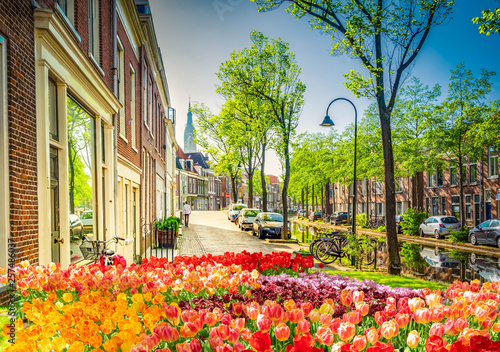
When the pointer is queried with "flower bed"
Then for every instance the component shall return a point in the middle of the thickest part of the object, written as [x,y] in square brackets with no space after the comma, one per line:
[244,302]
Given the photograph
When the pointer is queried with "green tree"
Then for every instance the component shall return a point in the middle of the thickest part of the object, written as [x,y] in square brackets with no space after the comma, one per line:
[489,21]
[386,37]
[268,71]
[462,112]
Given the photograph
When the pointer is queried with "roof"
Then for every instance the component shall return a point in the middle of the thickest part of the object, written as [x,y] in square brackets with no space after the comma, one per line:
[273,179]
[199,159]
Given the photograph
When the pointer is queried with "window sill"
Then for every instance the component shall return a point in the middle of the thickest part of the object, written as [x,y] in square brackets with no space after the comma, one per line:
[69,24]
[473,184]
[493,177]
[135,149]
[124,138]
[96,64]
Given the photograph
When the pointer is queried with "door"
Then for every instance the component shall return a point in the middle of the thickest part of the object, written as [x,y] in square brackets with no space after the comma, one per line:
[481,232]
[426,225]
[104,203]
[54,207]
[492,231]
[477,209]
[487,212]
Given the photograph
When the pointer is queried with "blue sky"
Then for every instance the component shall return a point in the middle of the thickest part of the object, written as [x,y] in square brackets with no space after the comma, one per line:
[195,36]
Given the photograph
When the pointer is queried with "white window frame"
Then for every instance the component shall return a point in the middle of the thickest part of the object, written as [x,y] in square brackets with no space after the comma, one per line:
[430,179]
[492,163]
[457,203]
[94,29]
[145,96]
[121,88]
[150,104]
[4,158]
[398,180]
[468,203]
[472,164]
[133,107]
[453,171]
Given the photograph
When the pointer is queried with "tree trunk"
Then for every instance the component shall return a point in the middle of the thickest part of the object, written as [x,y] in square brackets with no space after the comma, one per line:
[334,184]
[284,192]
[307,201]
[462,202]
[263,179]
[302,204]
[233,189]
[313,200]
[368,198]
[322,201]
[250,189]
[394,265]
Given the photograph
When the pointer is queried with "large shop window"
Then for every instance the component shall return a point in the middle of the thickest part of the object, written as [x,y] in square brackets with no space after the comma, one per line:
[81,155]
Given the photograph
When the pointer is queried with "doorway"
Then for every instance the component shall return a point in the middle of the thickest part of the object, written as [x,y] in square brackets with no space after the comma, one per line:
[477,209]
[54,207]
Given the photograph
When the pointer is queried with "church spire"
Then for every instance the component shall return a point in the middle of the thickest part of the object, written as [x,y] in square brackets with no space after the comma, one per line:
[189,145]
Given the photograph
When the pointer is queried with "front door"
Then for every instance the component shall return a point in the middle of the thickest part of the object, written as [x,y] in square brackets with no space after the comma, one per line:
[477,209]
[54,205]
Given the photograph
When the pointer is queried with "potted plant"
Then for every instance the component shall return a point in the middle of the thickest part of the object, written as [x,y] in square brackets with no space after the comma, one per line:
[166,231]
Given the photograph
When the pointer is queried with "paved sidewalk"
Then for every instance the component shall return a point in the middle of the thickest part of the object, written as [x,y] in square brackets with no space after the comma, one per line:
[189,243]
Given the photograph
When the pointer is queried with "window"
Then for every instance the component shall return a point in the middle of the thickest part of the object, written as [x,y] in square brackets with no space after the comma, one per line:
[455,206]
[439,177]
[377,188]
[94,29]
[126,211]
[435,206]
[351,190]
[463,173]
[364,186]
[53,117]
[472,173]
[132,107]
[81,154]
[399,208]
[430,179]
[468,214]
[492,162]
[68,9]
[443,205]
[145,95]
[4,158]
[453,175]
[398,184]
[427,206]
[380,209]
[121,90]
[150,103]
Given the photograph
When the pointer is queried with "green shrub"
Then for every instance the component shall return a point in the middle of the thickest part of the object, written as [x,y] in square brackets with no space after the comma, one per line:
[459,236]
[381,229]
[168,223]
[362,220]
[412,219]
[410,255]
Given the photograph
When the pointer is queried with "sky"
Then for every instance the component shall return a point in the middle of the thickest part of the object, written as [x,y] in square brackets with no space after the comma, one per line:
[196,36]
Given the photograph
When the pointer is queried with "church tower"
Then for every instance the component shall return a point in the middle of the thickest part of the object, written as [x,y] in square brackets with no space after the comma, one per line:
[189,145]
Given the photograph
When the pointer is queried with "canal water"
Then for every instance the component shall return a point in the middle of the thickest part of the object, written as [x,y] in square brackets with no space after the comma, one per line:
[429,263]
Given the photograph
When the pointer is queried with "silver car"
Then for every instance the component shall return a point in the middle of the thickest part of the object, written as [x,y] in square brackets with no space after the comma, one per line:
[439,226]
[246,218]
[234,210]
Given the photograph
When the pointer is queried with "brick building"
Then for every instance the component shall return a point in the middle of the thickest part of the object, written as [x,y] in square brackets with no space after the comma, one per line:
[85,132]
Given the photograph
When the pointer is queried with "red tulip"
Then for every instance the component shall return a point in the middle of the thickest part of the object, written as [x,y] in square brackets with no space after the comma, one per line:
[402,320]
[183,347]
[237,308]
[263,322]
[282,332]
[358,296]
[166,332]
[195,345]
[346,331]
[346,298]
[434,343]
[303,327]
[306,307]
[275,312]
[324,335]
[437,329]
[234,335]
[295,315]
[359,342]
[460,324]
[380,318]
[260,341]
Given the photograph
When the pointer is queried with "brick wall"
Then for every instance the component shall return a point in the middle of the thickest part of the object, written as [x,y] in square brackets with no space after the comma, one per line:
[17,27]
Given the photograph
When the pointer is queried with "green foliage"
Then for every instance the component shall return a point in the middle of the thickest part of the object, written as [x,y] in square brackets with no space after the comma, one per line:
[411,257]
[168,223]
[459,236]
[381,229]
[489,21]
[362,220]
[358,245]
[462,257]
[412,220]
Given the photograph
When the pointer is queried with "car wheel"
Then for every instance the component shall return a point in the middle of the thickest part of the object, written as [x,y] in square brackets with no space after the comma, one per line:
[498,242]
[437,235]
[262,235]
[473,258]
[421,233]
[253,231]
[473,239]
[242,228]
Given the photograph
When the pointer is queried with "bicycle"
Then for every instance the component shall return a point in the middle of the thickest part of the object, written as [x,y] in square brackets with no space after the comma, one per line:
[376,223]
[96,250]
[319,237]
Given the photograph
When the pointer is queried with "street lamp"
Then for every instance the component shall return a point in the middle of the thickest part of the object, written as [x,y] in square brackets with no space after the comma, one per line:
[327,122]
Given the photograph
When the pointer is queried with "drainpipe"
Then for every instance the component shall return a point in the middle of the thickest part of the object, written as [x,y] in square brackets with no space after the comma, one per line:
[114,72]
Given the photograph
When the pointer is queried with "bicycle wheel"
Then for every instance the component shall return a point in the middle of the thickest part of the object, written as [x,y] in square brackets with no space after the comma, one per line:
[327,252]
[312,247]
[371,255]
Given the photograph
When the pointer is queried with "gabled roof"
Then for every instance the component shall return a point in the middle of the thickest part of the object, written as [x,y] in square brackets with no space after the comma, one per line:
[273,179]
[199,159]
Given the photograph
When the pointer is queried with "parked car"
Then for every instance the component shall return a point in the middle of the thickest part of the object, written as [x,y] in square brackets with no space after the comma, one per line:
[437,258]
[439,226]
[267,224]
[338,217]
[246,218]
[234,210]
[75,227]
[487,232]
[399,219]
[316,215]
[87,221]
[301,213]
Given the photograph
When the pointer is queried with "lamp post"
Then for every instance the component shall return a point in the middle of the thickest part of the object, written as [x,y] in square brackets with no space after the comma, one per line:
[327,122]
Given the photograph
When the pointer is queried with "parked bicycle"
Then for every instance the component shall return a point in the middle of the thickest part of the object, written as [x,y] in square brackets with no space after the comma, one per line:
[376,223]
[98,251]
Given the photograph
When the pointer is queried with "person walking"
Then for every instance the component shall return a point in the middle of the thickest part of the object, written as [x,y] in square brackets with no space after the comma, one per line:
[186,210]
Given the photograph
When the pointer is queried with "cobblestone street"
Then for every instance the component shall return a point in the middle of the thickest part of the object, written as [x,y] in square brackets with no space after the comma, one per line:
[210,232]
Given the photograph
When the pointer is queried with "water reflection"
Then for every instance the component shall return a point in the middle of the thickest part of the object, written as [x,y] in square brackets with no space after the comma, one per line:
[431,263]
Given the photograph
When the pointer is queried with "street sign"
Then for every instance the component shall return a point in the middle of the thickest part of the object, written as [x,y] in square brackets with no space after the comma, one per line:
[227,195]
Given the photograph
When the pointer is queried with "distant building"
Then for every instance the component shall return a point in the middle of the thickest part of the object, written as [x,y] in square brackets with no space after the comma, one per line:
[189,144]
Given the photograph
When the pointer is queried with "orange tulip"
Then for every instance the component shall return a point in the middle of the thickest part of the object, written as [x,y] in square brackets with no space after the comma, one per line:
[363,307]
[303,327]
[422,315]
[183,347]
[496,328]
[380,318]
[359,342]
[166,332]
[460,324]
[433,299]
[415,303]
[481,312]
[314,316]
[295,315]
[263,322]
[389,329]
[402,320]
[372,335]
[436,329]
[282,332]
[326,320]
[346,331]
[413,339]
[289,305]
[67,297]
[173,313]
[346,297]
[324,336]
[210,319]
[358,296]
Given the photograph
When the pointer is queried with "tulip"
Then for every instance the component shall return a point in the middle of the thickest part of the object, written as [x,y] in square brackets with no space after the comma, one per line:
[324,336]
[358,296]
[183,347]
[481,312]
[359,342]
[306,307]
[337,347]
[237,308]
[433,299]
[437,329]
[166,332]
[402,320]
[226,319]
[326,309]
[314,316]
[487,323]
[238,323]
[210,319]
[391,301]
[380,318]
[303,327]
[275,312]
[389,329]
[422,315]
[289,305]
[437,314]
[460,324]
[390,311]
[214,342]
[496,328]
[282,332]
[415,303]
[260,341]
[246,334]
[263,322]
[346,331]
[234,335]
[295,315]
[346,298]
[413,339]
[363,308]
[434,343]
[372,335]
[195,345]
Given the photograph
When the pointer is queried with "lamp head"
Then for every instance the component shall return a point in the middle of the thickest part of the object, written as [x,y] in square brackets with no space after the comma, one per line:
[239,165]
[327,122]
